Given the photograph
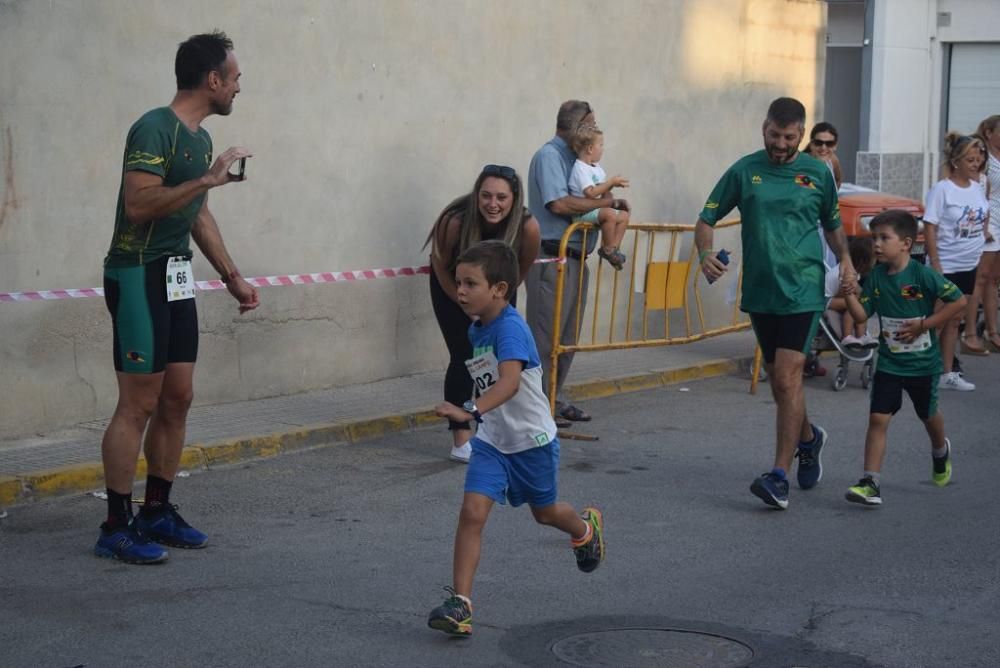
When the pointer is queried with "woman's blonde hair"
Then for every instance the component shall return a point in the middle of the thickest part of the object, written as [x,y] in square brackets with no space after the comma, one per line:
[956,146]
[584,136]
[467,207]
[988,125]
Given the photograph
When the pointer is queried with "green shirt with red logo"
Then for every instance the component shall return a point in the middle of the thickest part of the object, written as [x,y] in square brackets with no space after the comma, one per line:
[898,298]
[780,205]
[159,143]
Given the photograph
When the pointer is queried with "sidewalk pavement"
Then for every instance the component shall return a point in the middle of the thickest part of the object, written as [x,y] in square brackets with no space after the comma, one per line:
[69,461]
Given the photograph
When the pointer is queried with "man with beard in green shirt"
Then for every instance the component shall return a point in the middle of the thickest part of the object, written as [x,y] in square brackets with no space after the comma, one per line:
[149,290]
[781,194]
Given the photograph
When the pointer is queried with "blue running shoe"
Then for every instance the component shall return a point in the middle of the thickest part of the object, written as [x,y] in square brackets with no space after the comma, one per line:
[165,525]
[771,489]
[810,459]
[128,545]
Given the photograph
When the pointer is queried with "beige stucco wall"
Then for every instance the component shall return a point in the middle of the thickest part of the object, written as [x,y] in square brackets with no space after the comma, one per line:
[365,117]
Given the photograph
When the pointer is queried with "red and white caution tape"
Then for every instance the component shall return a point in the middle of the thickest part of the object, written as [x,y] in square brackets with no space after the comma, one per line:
[257,281]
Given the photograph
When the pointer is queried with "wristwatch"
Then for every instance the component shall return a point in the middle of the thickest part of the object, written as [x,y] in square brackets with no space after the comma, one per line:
[470,408]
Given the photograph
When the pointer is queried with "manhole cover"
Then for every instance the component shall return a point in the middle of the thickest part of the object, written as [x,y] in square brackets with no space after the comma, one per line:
[663,648]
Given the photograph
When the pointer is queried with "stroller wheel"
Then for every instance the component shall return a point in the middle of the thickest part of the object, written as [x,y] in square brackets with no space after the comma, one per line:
[840,380]
[866,375]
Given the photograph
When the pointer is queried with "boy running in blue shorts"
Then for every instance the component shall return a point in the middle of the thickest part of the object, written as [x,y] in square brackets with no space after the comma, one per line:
[515,453]
[903,293]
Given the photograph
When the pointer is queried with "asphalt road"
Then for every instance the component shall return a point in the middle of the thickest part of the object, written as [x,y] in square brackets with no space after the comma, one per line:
[334,557]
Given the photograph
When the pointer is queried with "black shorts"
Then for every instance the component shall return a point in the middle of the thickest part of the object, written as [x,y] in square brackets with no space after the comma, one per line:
[887,393]
[964,280]
[794,331]
[149,331]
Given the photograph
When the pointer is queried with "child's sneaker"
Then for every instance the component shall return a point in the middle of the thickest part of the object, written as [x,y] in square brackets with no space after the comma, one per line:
[771,489]
[810,461]
[851,342]
[868,342]
[866,492]
[953,381]
[129,545]
[589,555]
[942,467]
[454,616]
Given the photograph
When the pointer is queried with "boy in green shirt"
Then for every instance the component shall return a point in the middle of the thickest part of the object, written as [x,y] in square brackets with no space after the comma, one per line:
[903,293]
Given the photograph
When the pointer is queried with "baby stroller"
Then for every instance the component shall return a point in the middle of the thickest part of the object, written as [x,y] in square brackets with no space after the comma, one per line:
[828,337]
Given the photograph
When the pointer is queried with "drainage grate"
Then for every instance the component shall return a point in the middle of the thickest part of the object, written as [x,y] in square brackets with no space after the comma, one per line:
[663,648]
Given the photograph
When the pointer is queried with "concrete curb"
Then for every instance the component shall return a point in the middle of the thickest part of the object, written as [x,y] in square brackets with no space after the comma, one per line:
[81,478]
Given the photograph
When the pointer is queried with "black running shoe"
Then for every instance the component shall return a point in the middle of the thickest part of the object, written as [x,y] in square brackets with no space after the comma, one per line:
[454,616]
[590,555]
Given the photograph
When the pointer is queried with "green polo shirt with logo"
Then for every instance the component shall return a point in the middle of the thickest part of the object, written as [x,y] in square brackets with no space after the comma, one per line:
[783,270]
[159,143]
[907,295]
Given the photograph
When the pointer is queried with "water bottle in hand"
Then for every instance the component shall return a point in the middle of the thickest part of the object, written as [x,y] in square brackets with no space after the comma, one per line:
[723,257]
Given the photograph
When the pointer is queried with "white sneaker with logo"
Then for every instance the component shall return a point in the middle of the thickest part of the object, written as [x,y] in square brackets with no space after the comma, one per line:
[462,453]
[952,381]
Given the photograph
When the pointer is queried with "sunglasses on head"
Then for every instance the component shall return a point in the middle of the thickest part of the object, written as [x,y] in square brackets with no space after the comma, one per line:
[502,171]
[821,142]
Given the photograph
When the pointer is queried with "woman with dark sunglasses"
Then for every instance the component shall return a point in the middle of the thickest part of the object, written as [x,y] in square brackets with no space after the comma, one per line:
[823,146]
[494,209]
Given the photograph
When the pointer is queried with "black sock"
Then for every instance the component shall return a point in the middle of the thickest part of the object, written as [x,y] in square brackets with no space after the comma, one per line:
[119,509]
[157,491]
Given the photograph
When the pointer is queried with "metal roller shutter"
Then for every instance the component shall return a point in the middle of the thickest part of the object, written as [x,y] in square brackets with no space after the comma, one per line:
[973,85]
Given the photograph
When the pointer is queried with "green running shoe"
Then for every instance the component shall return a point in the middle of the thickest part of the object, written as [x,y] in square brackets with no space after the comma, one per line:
[866,492]
[941,473]
[454,616]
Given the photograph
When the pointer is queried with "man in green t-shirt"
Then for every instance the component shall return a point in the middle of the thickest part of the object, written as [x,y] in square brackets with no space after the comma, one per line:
[782,194]
[149,289]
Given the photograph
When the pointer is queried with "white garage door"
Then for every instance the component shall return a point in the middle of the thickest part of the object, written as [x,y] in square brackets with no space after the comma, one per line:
[973,86]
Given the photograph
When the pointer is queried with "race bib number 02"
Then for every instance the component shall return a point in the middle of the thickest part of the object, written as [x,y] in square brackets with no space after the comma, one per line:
[485,371]
[180,279]
[890,330]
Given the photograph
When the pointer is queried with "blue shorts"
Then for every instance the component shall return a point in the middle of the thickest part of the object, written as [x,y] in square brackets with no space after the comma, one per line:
[589,217]
[530,476]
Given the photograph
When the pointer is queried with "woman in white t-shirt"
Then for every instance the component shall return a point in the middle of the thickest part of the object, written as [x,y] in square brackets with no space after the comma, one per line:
[988,275]
[955,215]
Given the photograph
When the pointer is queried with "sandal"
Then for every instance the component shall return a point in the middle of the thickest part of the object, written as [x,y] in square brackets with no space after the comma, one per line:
[991,341]
[613,256]
[561,422]
[571,412]
[972,350]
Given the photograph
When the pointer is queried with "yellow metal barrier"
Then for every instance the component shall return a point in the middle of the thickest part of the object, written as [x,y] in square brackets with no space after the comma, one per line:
[665,288]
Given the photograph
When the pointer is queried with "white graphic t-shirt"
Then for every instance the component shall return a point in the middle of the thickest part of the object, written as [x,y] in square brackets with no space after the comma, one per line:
[960,215]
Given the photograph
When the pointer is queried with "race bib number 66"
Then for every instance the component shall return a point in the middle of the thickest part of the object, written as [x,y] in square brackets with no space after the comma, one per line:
[180,280]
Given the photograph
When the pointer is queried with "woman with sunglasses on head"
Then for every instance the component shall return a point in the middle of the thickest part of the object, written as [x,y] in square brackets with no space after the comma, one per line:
[493,210]
[988,274]
[823,146]
[955,215]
